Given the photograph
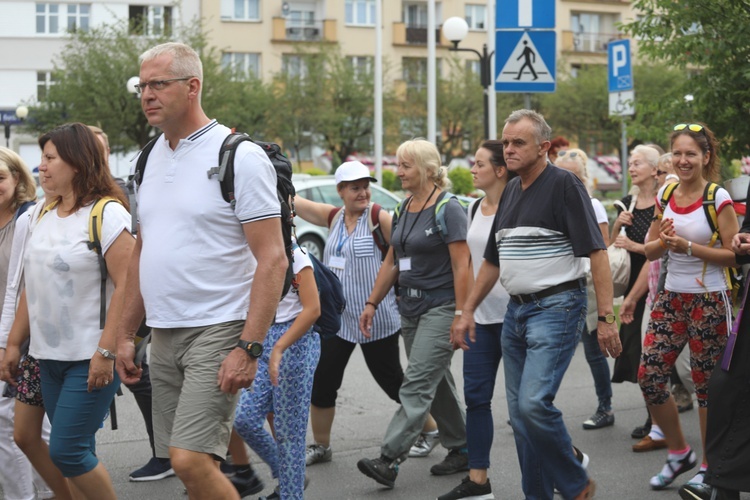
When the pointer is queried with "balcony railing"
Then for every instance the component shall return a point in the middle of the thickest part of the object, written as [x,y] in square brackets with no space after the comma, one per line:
[413,35]
[588,42]
[287,30]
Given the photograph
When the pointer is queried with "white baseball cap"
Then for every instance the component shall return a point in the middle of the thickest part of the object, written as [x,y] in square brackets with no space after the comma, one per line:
[353,171]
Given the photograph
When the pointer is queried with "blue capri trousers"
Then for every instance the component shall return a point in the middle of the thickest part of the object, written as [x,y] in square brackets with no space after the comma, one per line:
[75,414]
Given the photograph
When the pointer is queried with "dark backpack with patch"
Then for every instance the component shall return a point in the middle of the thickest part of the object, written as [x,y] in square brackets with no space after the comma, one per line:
[225,173]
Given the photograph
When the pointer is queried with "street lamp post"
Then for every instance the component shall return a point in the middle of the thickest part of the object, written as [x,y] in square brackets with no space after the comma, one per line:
[21,112]
[455,29]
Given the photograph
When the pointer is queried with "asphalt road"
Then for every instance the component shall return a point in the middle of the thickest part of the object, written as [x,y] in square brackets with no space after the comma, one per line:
[363,413]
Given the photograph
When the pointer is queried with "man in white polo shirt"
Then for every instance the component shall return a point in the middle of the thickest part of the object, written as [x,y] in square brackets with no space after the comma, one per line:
[208,276]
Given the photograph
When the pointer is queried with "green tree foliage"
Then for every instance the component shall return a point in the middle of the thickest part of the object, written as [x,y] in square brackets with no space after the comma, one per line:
[462,180]
[710,40]
[391,182]
[90,75]
[460,111]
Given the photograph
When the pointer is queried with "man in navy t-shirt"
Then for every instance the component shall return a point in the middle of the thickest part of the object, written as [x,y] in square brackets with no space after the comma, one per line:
[543,229]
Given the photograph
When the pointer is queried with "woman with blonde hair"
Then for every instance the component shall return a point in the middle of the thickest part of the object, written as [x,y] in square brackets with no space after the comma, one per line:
[430,260]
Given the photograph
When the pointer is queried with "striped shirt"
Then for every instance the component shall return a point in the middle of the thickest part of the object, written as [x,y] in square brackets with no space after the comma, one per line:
[541,232]
[362,263]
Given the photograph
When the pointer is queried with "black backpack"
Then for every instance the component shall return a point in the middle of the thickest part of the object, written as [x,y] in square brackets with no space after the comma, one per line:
[225,172]
[332,300]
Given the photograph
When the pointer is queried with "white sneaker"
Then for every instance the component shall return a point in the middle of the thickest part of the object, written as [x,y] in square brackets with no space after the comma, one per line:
[317,454]
[426,442]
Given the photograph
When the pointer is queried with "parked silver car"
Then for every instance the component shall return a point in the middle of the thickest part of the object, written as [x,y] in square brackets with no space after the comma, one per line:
[322,188]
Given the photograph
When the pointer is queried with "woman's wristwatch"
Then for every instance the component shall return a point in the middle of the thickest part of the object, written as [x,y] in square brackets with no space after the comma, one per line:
[607,318]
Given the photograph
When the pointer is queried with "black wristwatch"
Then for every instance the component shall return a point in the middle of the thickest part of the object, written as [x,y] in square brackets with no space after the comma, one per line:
[253,349]
[609,318]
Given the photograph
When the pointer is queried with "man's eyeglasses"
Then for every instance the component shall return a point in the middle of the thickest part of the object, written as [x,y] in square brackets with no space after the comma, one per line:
[158,85]
[565,152]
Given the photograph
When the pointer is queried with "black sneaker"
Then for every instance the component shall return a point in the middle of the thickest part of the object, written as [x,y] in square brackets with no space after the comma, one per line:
[599,419]
[246,481]
[642,431]
[469,489]
[456,461]
[383,470]
[155,469]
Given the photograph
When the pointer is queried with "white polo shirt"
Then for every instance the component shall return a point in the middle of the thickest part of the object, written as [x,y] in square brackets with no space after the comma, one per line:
[196,268]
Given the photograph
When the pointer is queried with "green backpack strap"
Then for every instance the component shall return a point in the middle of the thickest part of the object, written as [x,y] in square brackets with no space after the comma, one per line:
[443,199]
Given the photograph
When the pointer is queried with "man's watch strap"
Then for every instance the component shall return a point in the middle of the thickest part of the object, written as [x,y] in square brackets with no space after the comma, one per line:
[607,318]
[253,349]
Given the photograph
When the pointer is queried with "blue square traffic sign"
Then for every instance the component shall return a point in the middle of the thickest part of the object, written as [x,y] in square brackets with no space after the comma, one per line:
[525,61]
[619,69]
[515,14]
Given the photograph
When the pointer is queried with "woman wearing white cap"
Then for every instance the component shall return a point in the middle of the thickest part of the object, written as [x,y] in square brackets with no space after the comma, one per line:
[352,253]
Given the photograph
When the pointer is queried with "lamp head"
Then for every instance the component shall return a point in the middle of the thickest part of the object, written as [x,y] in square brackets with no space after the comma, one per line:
[22,112]
[132,82]
[455,29]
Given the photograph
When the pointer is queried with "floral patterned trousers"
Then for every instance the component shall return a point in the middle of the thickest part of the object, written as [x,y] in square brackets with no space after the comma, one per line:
[700,320]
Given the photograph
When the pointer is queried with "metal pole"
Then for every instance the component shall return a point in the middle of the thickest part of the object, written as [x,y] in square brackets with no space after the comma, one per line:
[491,65]
[431,75]
[624,157]
[7,135]
[485,69]
[378,125]
[527,100]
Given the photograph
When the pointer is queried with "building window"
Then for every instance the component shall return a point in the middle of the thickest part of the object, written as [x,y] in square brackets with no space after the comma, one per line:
[476,17]
[240,10]
[593,31]
[415,72]
[150,20]
[79,16]
[415,14]
[360,12]
[294,65]
[362,65]
[244,64]
[47,18]
[44,81]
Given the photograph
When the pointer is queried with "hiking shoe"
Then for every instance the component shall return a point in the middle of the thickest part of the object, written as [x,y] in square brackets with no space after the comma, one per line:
[456,461]
[676,467]
[599,419]
[469,489]
[383,470]
[426,442]
[155,469]
[246,482]
[317,454]
[682,398]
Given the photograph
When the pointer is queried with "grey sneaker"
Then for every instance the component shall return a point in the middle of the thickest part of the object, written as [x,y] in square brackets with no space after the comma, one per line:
[456,461]
[383,470]
[317,454]
[426,442]
[599,419]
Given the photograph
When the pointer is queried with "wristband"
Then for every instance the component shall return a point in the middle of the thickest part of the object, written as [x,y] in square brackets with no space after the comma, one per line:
[458,312]
[373,304]
[661,243]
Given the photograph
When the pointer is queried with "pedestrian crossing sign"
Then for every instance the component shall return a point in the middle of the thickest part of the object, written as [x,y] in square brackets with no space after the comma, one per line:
[526,61]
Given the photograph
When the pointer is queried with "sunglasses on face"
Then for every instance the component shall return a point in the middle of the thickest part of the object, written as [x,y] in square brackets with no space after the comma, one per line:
[661,172]
[571,154]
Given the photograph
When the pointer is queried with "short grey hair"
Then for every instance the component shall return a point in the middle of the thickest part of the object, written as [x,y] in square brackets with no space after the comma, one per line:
[543,131]
[651,155]
[185,60]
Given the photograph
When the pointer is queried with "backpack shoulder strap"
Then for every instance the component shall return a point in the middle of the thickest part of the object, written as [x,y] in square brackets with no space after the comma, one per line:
[667,195]
[474,207]
[334,215]
[397,212]
[95,243]
[135,180]
[376,230]
[22,208]
[443,198]
[709,206]
[226,165]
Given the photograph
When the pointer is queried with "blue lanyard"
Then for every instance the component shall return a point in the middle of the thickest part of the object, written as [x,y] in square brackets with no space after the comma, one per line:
[344,236]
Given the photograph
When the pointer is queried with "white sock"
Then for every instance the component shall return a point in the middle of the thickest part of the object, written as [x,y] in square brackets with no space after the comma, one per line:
[666,476]
[656,432]
[698,478]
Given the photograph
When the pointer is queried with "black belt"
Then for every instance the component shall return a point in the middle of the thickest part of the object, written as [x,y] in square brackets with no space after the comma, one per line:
[525,298]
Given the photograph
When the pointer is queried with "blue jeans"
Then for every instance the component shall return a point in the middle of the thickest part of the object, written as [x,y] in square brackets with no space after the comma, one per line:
[481,362]
[599,370]
[75,414]
[539,340]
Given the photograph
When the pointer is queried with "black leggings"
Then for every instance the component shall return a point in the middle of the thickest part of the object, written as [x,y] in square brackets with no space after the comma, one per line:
[381,356]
